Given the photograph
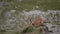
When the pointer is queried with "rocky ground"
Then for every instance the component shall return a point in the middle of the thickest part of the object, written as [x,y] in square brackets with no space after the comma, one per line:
[17,24]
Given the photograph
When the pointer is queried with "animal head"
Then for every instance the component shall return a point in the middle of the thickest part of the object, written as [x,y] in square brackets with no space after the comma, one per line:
[37,21]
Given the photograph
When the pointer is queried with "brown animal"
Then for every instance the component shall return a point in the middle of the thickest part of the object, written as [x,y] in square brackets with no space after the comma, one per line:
[37,21]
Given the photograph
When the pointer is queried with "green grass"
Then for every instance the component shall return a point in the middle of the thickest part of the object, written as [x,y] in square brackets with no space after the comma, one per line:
[2,30]
[29,4]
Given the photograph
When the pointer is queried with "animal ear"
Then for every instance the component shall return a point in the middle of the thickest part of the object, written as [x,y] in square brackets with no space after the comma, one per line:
[32,23]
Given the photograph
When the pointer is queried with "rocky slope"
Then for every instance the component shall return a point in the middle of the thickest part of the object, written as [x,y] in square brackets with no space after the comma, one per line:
[18,23]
